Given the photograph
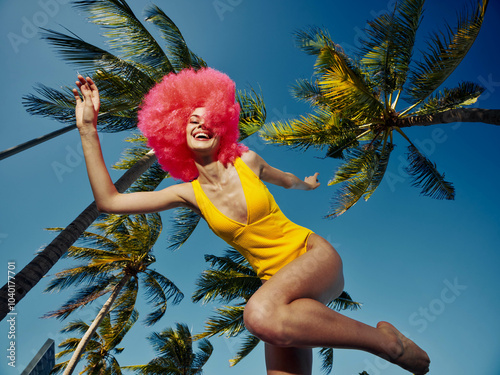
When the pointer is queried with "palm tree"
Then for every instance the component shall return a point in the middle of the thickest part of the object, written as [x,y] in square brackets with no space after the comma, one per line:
[115,260]
[175,354]
[230,279]
[100,351]
[123,79]
[356,100]
[34,271]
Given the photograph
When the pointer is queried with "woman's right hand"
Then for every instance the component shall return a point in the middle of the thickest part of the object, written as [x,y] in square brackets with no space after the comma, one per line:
[87,106]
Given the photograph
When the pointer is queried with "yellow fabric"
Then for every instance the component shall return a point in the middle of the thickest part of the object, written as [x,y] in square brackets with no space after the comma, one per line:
[268,240]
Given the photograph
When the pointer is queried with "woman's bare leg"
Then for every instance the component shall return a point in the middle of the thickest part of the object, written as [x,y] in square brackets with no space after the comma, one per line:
[289,310]
[288,361]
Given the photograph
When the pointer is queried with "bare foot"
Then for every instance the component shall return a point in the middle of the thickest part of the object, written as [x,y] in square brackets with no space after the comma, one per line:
[405,353]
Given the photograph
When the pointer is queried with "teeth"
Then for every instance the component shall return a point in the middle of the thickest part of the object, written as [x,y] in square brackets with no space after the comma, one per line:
[201,135]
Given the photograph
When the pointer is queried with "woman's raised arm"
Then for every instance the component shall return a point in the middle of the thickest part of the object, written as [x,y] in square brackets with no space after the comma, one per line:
[277,177]
[106,196]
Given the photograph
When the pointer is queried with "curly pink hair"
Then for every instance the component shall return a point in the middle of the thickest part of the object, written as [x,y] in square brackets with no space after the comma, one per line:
[165,112]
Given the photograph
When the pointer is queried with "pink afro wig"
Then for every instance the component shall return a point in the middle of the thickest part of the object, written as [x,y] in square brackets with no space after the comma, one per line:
[165,112]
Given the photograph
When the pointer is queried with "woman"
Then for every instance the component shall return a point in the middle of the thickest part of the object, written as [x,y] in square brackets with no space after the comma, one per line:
[191,121]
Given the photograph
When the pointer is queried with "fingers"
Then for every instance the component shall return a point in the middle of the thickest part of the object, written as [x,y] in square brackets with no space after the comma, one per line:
[77,96]
[314,176]
[87,87]
[91,84]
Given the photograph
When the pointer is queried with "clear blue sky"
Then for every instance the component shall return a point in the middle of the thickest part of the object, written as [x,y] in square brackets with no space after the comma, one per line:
[430,267]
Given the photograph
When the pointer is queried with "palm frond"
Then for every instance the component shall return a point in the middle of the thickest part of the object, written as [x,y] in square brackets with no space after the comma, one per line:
[426,176]
[120,100]
[183,224]
[119,93]
[88,239]
[127,35]
[388,49]
[92,58]
[344,302]
[385,154]
[177,50]
[205,350]
[326,355]
[176,345]
[235,256]
[174,353]
[445,52]
[347,90]
[317,130]
[358,159]
[252,112]
[308,91]
[113,335]
[59,367]
[58,105]
[87,274]
[155,366]
[135,234]
[113,366]
[228,321]
[158,290]
[224,286]
[123,308]
[228,262]
[466,93]
[313,40]
[150,179]
[83,297]
[78,326]
[357,175]
[345,138]
[348,195]
[248,344]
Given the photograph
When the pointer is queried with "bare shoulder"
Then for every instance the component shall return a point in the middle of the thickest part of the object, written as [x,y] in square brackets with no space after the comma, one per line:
[267,172]
[254,161]
[182,194]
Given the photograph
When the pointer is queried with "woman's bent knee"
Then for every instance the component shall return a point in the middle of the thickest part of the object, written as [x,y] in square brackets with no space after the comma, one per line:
[263,321]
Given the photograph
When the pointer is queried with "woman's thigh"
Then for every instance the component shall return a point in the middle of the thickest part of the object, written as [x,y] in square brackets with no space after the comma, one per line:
[317,274]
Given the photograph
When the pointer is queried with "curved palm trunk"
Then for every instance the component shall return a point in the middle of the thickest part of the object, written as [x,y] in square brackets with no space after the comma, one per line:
[34,142]
[32,273]
[487,116]
[93,327]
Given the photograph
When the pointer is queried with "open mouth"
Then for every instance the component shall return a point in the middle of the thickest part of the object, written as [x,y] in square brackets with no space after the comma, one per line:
[202,135]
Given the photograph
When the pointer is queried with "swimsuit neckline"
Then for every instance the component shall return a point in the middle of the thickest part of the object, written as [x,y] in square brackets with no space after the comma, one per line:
[244,194]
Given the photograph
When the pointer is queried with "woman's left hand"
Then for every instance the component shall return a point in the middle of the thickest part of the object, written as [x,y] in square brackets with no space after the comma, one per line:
[312,181]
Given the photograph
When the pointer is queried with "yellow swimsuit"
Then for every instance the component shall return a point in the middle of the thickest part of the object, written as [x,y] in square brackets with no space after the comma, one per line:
[268,240]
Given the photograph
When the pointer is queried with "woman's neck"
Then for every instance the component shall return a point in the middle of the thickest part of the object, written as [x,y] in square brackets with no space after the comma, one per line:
[211,171]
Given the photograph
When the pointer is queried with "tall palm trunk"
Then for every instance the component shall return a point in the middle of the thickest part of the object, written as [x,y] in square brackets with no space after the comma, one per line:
[93,327]
[34,142]
[487,116]
[32,273]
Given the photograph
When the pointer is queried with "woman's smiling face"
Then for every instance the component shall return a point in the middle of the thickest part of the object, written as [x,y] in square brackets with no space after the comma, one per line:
[200,139]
